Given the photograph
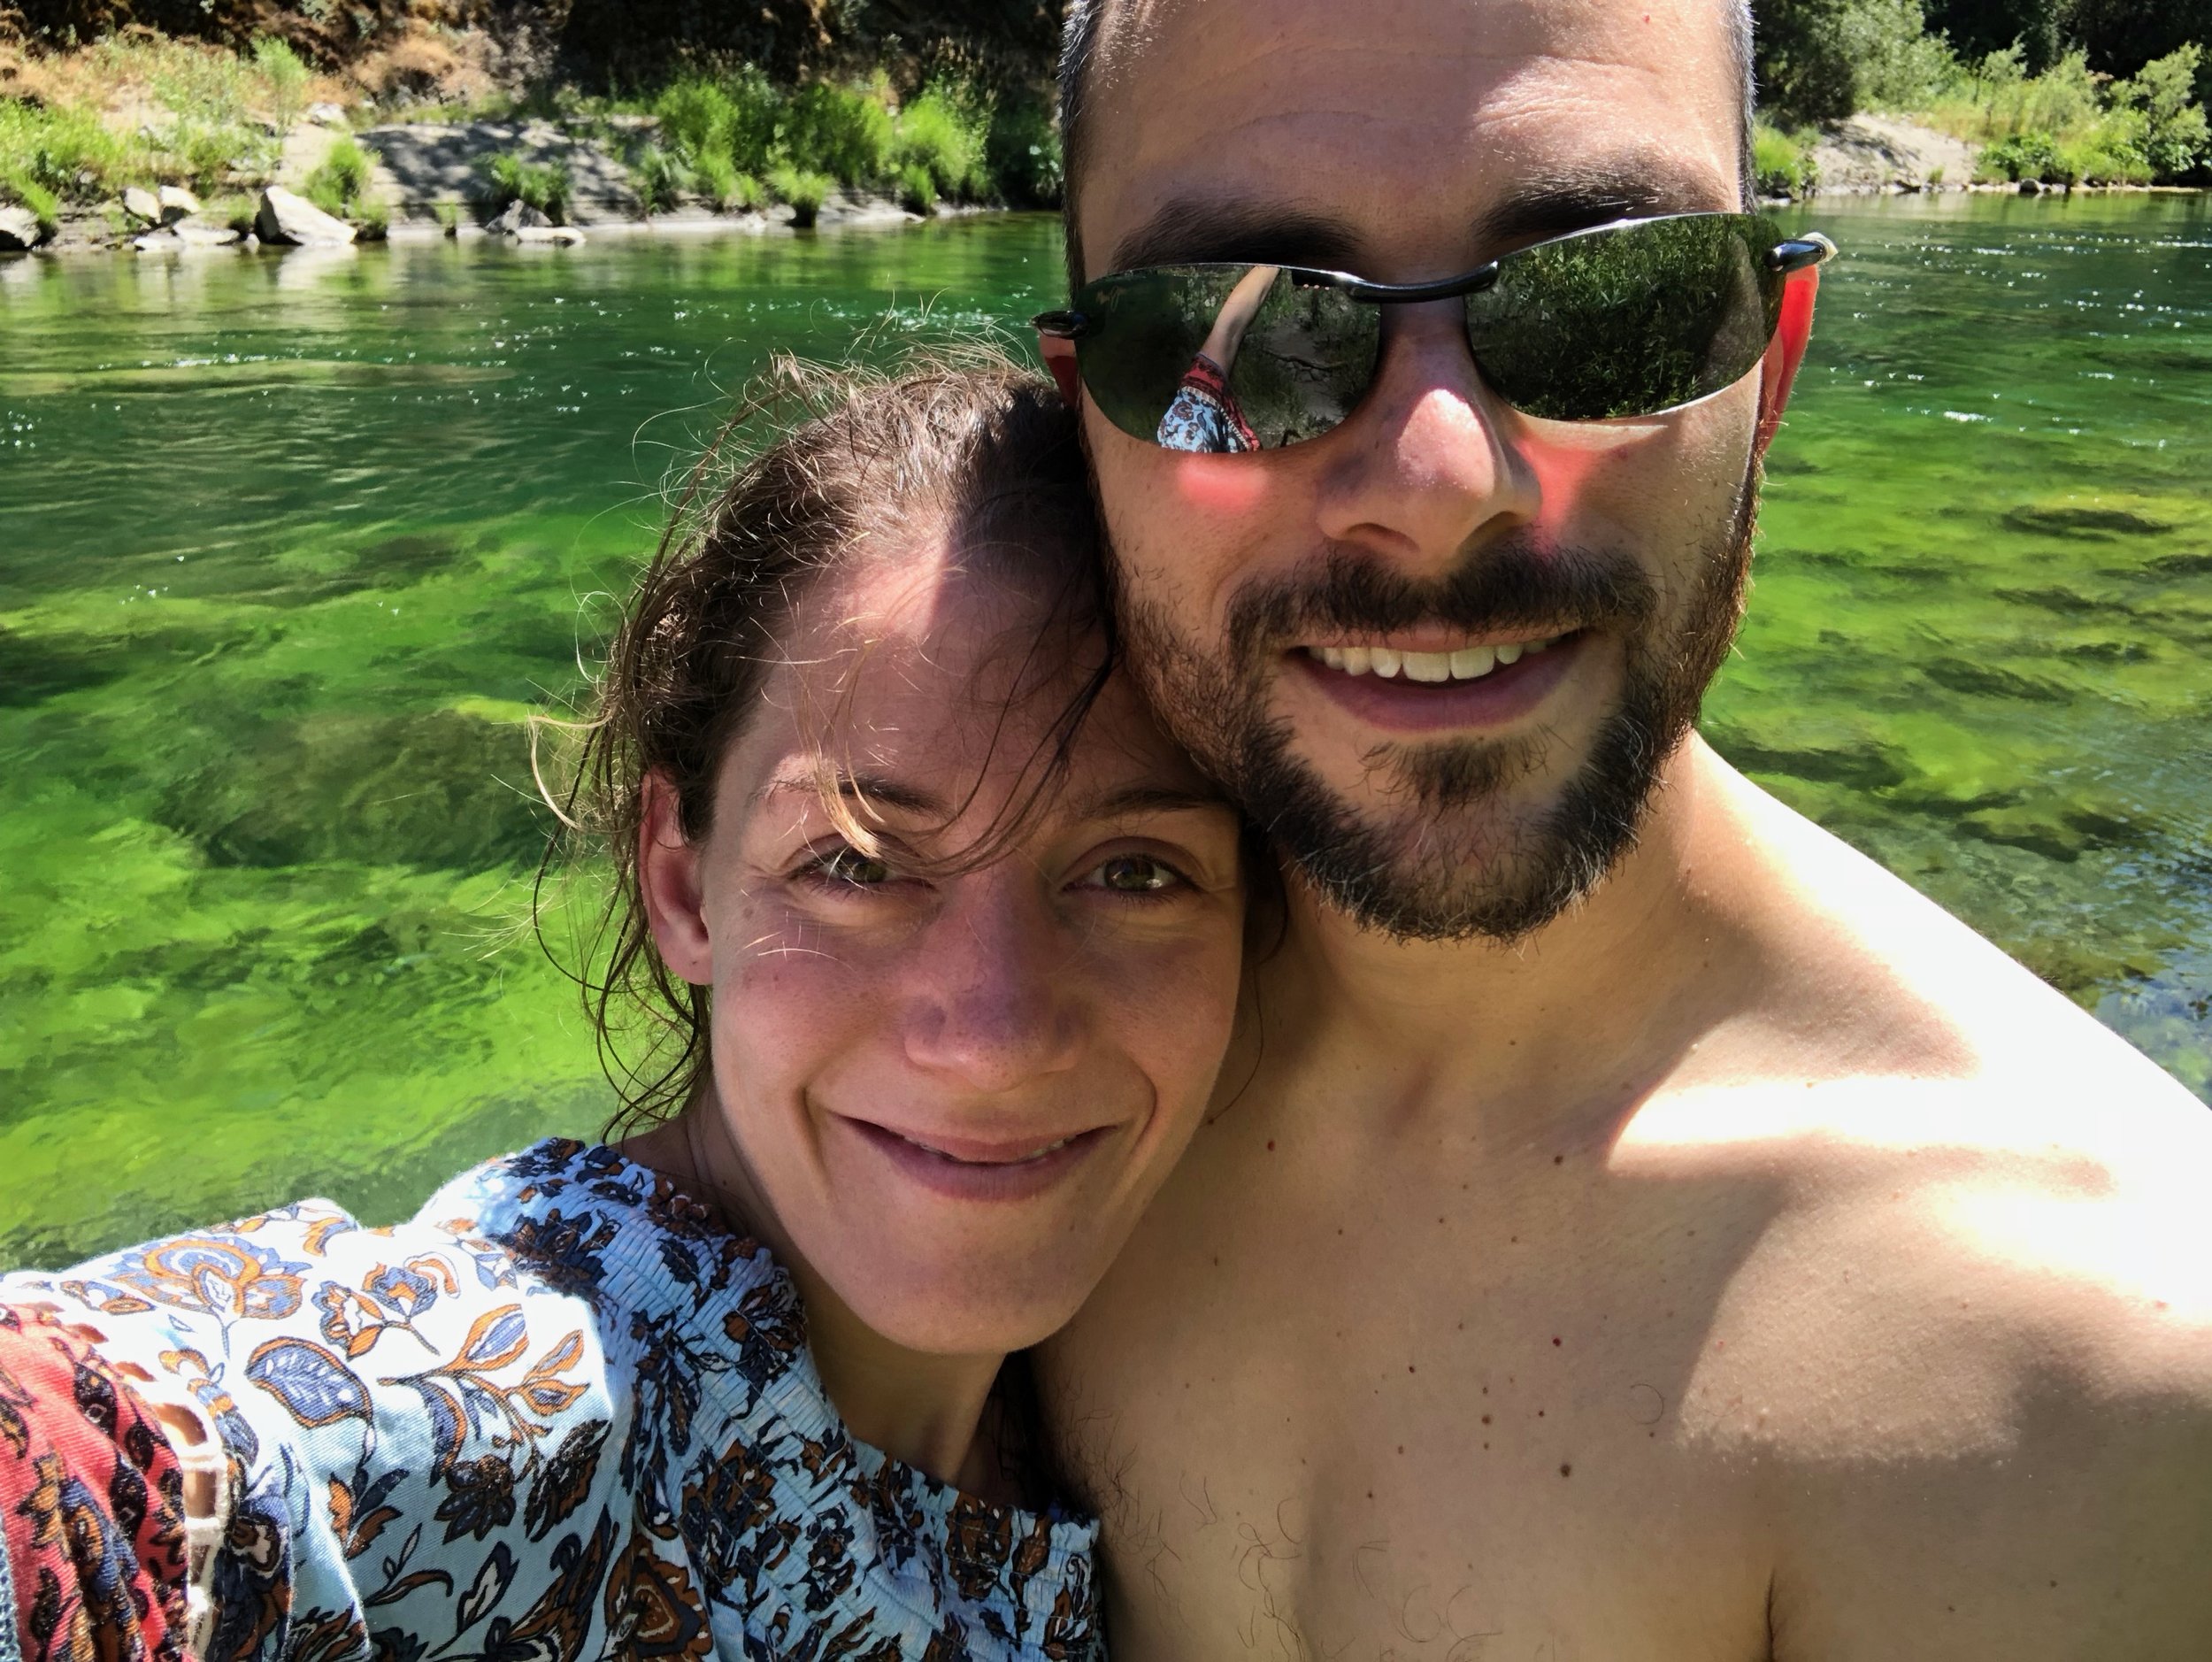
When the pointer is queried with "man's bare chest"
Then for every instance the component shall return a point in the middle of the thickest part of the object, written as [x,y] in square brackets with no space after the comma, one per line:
[1433,1434]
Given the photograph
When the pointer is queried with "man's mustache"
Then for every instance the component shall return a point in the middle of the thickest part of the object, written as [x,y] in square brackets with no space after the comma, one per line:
[1515,585]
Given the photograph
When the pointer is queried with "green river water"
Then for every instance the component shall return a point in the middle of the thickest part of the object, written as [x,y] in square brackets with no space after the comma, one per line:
[290,546]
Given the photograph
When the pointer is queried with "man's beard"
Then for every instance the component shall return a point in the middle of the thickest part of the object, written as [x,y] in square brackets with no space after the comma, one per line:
[1435,870]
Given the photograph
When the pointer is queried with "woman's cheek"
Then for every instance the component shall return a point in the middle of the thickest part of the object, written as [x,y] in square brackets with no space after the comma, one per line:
[791,1002]
[1173,1006]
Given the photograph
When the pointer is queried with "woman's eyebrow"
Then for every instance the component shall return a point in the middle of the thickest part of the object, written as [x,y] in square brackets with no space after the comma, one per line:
[874,790]
[1134,799]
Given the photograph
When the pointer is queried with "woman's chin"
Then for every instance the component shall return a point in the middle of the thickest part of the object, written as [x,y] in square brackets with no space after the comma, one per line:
[961,1306]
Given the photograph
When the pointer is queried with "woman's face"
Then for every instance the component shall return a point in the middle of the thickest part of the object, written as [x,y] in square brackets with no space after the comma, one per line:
[951,1096]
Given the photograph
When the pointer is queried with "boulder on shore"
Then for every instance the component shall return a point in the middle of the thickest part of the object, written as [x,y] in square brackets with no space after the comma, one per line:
[176,203]
[19,230]
[517,218]
[290,220]
[567,235]
[143,205]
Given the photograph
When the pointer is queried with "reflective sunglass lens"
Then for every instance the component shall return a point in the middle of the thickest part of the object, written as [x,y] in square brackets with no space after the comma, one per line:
[1627,322]
[1221,360]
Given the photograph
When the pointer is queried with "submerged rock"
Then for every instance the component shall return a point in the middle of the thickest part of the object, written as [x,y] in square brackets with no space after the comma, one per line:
[19,230]
[291,220]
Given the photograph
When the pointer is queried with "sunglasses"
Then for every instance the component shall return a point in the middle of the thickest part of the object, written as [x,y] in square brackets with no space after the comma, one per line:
[1632,319]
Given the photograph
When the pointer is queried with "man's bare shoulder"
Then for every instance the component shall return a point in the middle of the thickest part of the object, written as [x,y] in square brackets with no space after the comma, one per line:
[1971,1339]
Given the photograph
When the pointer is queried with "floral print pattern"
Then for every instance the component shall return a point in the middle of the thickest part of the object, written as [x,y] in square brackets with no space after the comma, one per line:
[560,1414]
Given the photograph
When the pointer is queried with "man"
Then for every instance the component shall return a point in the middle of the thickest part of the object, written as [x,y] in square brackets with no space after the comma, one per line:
[1644,1229]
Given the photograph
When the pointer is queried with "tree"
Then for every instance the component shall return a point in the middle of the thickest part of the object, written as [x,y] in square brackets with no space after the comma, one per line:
[2122,35]
[1821,60]
[1977,28]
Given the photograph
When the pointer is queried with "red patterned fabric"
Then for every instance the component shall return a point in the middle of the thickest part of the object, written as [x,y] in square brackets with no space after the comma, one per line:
[92,1502]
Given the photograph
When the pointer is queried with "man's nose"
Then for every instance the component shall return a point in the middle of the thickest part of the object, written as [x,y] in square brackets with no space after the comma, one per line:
[1428,469]
[989,1008]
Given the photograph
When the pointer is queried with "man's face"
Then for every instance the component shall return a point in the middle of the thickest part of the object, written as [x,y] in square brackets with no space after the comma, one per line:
[1582,581]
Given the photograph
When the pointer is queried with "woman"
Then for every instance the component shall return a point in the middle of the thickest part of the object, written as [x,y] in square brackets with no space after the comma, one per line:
[943,938]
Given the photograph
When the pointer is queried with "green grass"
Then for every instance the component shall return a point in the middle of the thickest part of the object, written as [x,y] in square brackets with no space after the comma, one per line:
[1783,164]
[66,154]
[2068,126]
[945,132]
[806,192]
[720,136]
[340,187]
[511,177]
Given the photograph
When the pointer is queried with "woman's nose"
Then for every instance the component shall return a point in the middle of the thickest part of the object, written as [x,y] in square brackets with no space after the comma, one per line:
[989,1007]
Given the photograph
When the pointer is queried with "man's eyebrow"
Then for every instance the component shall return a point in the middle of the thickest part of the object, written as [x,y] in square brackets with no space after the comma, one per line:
[1199,230]
[1575,199]
[874,790]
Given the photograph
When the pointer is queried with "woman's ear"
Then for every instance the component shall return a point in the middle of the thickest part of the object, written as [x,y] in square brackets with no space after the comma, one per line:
[668,876]
[1059,355]
[1787,355]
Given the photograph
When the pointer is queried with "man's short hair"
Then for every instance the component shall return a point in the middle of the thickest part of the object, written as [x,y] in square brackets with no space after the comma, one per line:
[1086,32]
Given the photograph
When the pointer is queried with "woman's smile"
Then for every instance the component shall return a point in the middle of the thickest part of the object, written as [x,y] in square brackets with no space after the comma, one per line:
[974,1169]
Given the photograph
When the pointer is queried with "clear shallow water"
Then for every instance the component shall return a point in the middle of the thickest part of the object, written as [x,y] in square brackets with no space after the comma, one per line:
[289,546]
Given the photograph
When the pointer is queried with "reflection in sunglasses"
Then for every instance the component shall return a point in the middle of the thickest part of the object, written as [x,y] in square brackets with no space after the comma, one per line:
[1204,417]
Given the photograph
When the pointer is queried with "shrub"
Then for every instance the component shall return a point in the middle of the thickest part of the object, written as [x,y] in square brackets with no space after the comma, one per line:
[543,186]
[918,190]
[660,179]
[1782,165]
[67,153]
[2019,157]
[721,183]
[341,185]
[945,132]
[284,76]
[1023,154]
[697,118]
[845,132]
[806,192]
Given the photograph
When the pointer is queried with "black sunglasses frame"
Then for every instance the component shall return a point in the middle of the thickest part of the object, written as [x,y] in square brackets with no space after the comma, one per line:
[1784,258]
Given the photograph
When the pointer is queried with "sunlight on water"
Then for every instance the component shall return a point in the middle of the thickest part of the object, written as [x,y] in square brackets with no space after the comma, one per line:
[291,546]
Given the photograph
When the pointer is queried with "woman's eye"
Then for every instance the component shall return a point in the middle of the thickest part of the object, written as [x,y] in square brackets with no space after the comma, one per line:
[1136,874]
[850,868]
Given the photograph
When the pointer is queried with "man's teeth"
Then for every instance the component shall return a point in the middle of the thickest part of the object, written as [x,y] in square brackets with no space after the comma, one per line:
[1030,1159]
[1432,667]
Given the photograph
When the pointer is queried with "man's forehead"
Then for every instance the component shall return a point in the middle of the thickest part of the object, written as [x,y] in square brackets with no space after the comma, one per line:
[1404,120]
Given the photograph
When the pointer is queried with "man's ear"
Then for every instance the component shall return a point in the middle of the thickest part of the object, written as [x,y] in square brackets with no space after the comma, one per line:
[668,878]
[1059,354]
[1778,373]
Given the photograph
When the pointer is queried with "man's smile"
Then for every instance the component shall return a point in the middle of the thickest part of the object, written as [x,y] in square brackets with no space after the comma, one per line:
[1472,688]
[1472,661]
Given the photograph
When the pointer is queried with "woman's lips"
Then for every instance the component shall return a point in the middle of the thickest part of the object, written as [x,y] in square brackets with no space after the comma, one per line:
[1502,695]
[962,1168]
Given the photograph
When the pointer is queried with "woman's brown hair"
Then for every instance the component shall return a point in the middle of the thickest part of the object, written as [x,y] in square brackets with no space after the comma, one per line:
[974,448]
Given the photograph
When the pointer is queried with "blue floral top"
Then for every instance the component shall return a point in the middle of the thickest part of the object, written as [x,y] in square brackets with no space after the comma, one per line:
[561,1414]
